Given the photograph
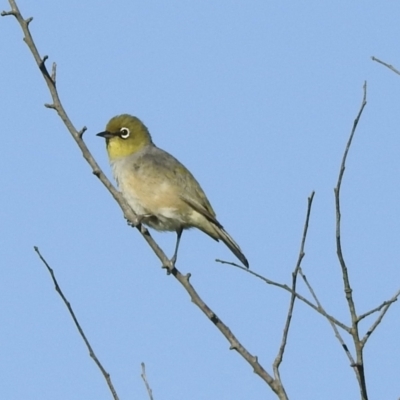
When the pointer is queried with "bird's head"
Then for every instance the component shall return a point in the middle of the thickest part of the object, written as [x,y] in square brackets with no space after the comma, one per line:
[125,135]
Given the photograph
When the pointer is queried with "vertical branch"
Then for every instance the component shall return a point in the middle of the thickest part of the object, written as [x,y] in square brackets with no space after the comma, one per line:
[359,366]
[279,357]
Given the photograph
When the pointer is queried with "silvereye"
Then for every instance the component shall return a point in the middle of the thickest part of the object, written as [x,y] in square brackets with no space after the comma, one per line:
[159,189]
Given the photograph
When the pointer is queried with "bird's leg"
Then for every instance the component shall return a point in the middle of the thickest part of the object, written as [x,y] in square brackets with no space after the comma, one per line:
[178,239]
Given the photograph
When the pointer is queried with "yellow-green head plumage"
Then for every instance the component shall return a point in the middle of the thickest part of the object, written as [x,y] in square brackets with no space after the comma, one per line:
[125,135]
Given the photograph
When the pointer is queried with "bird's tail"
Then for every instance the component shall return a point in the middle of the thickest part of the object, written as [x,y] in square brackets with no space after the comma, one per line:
[232,245]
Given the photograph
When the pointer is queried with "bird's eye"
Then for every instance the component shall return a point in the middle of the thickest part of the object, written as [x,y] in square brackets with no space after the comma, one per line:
[124,133]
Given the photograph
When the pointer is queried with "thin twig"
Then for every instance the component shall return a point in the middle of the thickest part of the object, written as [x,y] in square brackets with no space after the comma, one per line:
[289,289]
[279,357]
[78,326]
[144,377]
[386,65]
[380,317]
[376,309]
[359,365]
[333,325]
[54,73]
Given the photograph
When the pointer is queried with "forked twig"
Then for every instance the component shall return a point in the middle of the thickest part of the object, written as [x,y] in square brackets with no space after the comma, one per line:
[287,288]
[386,303]
[384,310]
[333,325]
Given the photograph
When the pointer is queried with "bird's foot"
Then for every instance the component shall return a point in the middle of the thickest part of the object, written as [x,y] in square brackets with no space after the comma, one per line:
[139,220]
[170,265]
[173,259]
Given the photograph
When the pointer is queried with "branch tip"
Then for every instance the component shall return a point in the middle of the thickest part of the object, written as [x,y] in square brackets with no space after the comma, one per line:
[386,65]
[81,132]
[144,377]
[54,73]
[43,61]
[7,13]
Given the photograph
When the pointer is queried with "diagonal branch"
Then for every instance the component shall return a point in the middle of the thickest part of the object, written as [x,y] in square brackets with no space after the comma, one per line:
[333,325]
[384,308]
[128,212]
[386,65]
[279,357]
[379,308]
[77,135]
[317,308]
[78,326]
[234,342]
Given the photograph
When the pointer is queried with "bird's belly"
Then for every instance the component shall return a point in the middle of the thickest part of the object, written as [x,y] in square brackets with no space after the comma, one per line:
[164,221]
[153,203]
[159,218]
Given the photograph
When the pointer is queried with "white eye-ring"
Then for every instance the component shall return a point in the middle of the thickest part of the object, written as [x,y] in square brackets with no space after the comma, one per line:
[124,133]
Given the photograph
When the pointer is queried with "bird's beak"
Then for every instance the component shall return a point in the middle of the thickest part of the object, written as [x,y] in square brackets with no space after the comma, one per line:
[106,135]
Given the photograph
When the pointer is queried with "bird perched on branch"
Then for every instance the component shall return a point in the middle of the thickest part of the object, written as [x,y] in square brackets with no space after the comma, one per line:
[159,189]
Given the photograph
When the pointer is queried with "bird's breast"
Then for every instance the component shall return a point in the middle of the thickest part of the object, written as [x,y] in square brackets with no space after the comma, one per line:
[151,195]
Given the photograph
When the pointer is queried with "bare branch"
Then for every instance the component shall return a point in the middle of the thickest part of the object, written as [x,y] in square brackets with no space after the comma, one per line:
[144,377]
[77,136]
[385,308]
[289,289]
[78,326]
[279,357]
[234,342]
[54,73]
[346,282]
[376,309]
[333,325]
[7,13]
[82,131]
[359,365]
[386,65]
[131,216]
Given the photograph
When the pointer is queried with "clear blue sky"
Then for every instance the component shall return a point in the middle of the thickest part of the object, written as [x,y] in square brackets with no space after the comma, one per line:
[257,99]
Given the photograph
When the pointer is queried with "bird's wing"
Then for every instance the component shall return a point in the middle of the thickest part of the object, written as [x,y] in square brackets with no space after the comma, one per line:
[168,169]
[200,209]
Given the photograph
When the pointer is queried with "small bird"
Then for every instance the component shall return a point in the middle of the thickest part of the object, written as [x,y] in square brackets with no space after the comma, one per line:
[160,190]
